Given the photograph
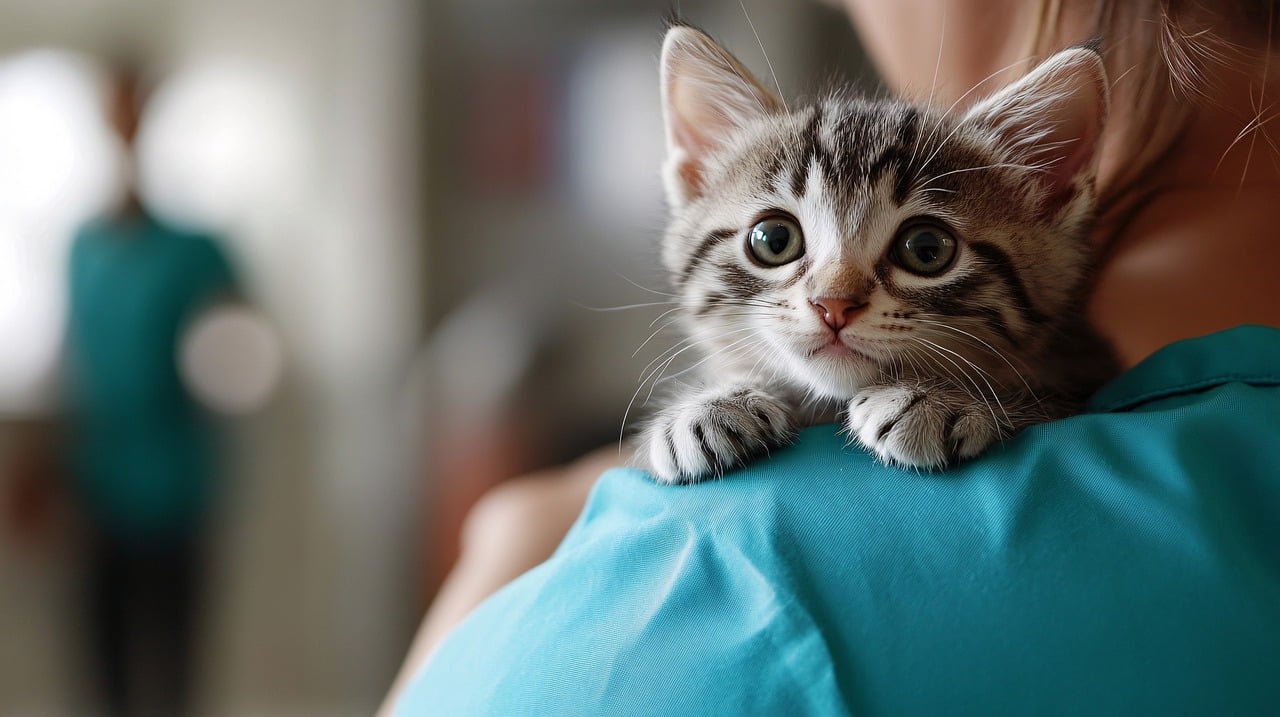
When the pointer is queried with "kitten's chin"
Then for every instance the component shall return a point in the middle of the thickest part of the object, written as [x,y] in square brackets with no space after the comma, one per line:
[835,373]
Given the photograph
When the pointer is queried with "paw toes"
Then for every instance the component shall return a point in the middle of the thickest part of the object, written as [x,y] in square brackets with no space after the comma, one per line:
[917,429]
[970,434]
[707,438]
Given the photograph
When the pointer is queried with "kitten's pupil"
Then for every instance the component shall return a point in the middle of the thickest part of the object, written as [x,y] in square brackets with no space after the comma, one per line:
[926,251]
[778,238]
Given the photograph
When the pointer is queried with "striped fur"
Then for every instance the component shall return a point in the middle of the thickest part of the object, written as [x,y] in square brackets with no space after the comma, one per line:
[932,369]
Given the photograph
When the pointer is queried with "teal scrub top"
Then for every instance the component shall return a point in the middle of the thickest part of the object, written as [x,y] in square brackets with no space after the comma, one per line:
[1121,562]
[144,453]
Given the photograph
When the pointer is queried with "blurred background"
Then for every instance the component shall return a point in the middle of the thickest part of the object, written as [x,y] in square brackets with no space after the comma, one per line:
[414,213]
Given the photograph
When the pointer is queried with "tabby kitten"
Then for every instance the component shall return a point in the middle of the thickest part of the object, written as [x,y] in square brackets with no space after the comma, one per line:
[920,273]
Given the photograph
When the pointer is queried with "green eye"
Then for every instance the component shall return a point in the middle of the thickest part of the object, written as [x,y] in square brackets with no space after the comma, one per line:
[924,249]
[776,241]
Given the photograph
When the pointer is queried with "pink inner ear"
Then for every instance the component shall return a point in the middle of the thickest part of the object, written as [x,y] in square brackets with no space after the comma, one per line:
[689,145]
[683,133]
[1070,146]
[689,172]
[694,126]
[1060,178]
[695,123]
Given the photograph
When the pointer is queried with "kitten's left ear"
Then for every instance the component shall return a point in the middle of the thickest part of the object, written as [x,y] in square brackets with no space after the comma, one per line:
[1053,117]
[706,95]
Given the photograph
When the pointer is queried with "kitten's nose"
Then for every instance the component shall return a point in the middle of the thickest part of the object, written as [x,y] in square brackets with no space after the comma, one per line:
[837,312]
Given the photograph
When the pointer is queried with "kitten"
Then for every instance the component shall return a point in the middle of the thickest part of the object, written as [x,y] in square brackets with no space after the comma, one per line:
[921,273]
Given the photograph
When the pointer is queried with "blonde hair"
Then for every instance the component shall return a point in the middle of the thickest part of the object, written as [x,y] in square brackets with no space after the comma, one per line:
[1162,56]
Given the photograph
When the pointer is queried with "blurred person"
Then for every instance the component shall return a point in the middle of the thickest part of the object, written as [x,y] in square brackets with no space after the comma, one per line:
[144,453]
[1123,562]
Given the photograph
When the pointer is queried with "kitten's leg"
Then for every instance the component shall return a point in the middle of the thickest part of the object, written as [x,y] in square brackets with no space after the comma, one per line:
[928,425]
[712,430]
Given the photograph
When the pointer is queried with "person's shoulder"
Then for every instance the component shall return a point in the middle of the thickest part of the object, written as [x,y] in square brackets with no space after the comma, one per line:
[817,578]
[775,580]
[194,240]
[93,229]
[1189,265]
[655,585]
[201,250]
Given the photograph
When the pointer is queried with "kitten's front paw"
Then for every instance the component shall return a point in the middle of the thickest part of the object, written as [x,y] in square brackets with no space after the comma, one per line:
[921,426]
[710,433]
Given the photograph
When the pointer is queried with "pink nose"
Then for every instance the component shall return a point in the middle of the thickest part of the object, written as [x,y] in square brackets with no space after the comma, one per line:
[837,312]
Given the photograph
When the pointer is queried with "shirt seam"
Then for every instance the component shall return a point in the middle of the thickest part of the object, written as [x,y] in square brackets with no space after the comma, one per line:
[1128,402]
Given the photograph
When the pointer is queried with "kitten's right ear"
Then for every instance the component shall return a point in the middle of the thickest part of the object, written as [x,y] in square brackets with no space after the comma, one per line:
[1054,118]
[706,95]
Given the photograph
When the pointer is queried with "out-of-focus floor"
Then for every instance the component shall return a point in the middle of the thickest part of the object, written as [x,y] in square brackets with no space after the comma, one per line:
[271,646]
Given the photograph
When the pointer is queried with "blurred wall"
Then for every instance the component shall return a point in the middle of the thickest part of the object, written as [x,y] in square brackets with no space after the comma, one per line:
[432,202]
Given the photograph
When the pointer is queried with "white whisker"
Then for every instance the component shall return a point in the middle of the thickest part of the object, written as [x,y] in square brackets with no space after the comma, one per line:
[766,54]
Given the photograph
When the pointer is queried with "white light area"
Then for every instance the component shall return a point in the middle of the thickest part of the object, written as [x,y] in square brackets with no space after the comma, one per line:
[221,142]
[231,359]
[482,351]
[58,161]
[616,137]
[58,165]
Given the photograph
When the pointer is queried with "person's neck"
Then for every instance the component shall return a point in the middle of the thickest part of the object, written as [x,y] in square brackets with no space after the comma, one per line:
[1227,141]
[1173,248]
[132,208]
[1223,149]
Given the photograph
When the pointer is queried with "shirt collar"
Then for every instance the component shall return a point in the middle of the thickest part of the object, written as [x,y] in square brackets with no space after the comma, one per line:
[1246,354]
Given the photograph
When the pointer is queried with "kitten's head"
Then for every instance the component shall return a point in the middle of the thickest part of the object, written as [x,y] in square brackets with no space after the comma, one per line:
[826,244]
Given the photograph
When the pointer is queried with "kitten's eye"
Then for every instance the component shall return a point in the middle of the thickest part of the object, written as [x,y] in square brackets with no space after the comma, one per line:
[924,249]
[776,241]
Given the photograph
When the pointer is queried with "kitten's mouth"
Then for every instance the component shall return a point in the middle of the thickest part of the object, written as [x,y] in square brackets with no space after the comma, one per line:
[836,347]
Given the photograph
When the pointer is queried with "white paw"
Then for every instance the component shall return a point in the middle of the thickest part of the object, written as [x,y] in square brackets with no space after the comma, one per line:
[921,426]
[711,432]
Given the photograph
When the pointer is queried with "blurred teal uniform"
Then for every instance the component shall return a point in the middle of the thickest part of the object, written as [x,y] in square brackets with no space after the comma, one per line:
[1121,562]
[144,453]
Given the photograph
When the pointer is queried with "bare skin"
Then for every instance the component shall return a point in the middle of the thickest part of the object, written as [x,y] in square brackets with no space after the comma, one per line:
[1193,253]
